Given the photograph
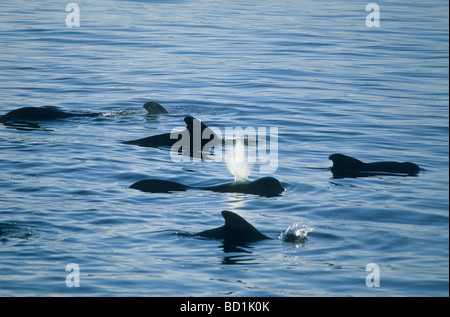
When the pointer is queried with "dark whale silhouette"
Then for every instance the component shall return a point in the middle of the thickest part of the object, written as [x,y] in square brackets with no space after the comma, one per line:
[154,108]
[40,114]
[196,135]
[235,230]
[23,116]
[266,186]
[238,232]
[346,166]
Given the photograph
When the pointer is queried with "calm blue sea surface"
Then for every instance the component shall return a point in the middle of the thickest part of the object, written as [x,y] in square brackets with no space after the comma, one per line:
[313,69]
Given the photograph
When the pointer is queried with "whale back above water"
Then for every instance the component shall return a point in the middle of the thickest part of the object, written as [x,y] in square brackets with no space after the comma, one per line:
[158,186]
[266,186]
[346,166]
[196,135]
[236,229]
[40,114]
[36,114]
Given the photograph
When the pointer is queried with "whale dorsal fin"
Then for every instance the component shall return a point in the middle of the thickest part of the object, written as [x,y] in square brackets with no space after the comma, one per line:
[154,108]
[237,228]
[192,123]
[344,161]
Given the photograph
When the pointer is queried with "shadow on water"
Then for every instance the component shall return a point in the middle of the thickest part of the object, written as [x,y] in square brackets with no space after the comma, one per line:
[13,231]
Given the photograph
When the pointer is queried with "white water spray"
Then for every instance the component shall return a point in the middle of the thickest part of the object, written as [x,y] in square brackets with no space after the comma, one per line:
[236,158]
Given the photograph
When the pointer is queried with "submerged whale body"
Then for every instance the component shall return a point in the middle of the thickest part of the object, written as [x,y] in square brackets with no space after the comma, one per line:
[266,186]
[40,114]
[236,229]
[196,136]
[346,166]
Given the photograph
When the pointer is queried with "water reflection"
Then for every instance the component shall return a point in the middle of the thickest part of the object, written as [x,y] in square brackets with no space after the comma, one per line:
[237,259]
[25,126]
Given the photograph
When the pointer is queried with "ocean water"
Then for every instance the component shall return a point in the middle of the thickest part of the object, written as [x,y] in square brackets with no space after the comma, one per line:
[314,70]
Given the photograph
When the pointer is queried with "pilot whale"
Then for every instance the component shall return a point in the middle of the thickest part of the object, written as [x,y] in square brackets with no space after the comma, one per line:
[236,229]
[40,114]
[346,166]
[49,113]
[266,186]
[191,140]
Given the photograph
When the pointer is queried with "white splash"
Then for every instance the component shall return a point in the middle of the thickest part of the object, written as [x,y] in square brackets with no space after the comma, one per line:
[236,159]
[116,114]
[295,233]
